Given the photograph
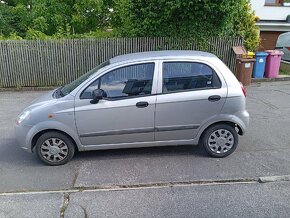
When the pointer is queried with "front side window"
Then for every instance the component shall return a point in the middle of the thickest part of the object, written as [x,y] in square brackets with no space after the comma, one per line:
[65,90]
[183,76]
[129,81]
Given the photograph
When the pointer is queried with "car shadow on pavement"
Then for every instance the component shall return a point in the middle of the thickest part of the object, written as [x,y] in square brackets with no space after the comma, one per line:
[185,150]
[10,153]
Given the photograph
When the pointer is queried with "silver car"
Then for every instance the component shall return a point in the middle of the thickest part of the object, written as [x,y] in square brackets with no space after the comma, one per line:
[283,44]
[139,100]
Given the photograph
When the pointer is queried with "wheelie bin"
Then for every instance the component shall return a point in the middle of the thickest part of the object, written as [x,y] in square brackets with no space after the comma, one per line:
[273,63]
[244,70]
[260,64]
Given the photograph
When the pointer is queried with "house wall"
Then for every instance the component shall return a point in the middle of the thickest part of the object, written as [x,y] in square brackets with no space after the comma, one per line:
[269,12]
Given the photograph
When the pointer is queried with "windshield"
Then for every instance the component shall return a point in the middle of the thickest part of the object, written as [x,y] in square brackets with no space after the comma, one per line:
[65,90]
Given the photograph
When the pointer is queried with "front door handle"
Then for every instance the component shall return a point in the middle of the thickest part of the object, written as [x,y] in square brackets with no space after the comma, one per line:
[142,104]
[214,98]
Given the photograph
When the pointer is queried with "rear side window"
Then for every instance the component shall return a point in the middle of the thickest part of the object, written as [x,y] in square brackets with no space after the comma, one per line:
[184,76]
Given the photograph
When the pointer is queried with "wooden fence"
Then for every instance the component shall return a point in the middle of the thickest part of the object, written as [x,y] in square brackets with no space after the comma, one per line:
[28,63]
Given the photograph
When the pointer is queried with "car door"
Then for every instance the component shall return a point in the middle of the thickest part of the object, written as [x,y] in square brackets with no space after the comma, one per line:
[126,115]
[191,92]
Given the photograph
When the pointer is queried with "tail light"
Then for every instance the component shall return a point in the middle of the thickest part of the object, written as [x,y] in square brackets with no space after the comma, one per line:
[243,89]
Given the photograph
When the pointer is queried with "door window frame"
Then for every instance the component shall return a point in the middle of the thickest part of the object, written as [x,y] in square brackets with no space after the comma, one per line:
[116,66]
[215,70]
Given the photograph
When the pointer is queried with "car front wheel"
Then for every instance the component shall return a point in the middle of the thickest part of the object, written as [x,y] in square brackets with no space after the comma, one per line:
[220,140]
[54,148]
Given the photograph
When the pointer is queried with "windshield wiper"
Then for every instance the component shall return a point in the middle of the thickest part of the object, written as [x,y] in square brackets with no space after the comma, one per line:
[58,93]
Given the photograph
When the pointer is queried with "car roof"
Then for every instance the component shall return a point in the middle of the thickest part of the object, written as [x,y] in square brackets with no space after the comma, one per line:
[155,55]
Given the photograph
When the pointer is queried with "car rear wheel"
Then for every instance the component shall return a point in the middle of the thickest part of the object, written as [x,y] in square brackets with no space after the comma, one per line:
[54,148]
[220,140]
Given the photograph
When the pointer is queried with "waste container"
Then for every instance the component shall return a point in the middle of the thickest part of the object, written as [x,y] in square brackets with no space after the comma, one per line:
[260,64]
[244,70]
[273,63]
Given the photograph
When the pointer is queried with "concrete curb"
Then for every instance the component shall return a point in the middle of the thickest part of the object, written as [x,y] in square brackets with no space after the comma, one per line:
[278,79]
[267,179]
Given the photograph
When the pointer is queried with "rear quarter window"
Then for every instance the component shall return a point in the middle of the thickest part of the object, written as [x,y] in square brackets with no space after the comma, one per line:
[186,76]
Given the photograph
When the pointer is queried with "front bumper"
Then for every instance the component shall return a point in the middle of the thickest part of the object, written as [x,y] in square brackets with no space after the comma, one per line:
[24,135]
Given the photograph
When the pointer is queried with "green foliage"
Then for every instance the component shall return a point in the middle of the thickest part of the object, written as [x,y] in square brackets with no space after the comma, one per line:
[40,23]
[193,19]
[122,18]
[244,25]
[174,18]
[54,18]
[11,20]
[35,34]
[284,72]
[12,36]
[99,34]
[197,19]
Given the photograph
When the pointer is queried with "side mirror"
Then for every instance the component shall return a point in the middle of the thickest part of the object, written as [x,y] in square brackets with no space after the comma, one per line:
[98,94]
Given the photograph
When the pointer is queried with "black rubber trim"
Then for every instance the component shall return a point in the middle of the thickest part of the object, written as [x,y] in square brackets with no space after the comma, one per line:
[119,132]
[144,130]
[173,128]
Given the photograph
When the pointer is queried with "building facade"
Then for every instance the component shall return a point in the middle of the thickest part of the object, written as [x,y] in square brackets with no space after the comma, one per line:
[274,20]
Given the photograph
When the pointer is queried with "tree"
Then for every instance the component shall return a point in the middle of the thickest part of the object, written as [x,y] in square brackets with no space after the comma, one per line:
[53,17]
[175,17]
[198,19]
[11,20]
[244,25]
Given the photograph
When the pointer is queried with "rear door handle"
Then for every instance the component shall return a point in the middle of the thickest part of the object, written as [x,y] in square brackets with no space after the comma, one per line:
[142,104]
[214,98]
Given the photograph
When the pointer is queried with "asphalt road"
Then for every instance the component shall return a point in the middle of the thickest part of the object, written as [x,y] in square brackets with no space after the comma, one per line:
[123,182]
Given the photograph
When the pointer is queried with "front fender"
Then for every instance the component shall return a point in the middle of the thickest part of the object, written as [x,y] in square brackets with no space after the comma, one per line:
[53,125]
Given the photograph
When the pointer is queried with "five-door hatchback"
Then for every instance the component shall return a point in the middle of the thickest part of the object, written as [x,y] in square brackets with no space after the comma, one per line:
[139,100]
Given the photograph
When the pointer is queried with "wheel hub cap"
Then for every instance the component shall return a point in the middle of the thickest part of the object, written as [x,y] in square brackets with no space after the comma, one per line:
[54,150]
[221,141]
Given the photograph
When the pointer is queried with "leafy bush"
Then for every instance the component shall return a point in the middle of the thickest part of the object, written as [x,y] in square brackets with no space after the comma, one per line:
[53,17]
[191,18]
[244,25]
[12,36]
[198,19]
[35,34]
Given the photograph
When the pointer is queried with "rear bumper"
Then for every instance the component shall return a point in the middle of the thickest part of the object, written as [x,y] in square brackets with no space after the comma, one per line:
[243,120]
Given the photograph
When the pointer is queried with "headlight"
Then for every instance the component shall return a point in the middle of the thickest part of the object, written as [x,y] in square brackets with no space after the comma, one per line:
[23,116]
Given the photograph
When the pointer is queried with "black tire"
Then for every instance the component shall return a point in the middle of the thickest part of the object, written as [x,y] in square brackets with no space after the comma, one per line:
[230,145]
[66,149]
